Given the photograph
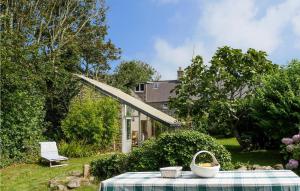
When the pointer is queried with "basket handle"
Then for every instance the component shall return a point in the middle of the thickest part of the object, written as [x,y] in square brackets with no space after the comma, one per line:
[212,156]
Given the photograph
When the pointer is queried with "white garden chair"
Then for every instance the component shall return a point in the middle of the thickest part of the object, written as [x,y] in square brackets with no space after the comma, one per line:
[49,153]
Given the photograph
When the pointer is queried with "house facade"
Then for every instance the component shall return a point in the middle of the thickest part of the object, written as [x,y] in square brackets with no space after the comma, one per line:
[136,115]
[147,105]
[157,95]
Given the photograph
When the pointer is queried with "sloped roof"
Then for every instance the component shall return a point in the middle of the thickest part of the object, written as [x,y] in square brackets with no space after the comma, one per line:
[160,91]
[131,101]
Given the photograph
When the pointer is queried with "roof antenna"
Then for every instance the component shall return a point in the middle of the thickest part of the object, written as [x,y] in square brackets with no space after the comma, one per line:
[193,51]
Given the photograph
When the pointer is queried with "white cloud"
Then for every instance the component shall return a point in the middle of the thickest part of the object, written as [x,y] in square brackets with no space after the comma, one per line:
[236,23]
[240,24]
[169,58]
[296,27]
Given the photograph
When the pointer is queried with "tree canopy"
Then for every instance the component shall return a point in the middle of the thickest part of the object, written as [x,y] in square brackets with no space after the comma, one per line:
[63,37]
[205,91]
[42,44]
[130,73]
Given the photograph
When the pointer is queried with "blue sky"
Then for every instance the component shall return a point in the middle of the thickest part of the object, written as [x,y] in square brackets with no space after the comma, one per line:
[167,33]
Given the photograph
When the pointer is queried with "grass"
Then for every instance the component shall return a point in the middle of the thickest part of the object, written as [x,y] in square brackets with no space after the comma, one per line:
[260,157]
[35,177]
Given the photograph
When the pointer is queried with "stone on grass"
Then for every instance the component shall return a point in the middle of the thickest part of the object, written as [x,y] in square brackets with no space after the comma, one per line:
[75,173]
[278,167]
[242,168]
[258,167]
[69,178]
[53,183]
[61,187]
[75,183]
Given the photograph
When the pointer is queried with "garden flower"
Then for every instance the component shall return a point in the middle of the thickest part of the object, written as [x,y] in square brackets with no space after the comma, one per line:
[296,138]
[292,164]
[290,148]
[287,141]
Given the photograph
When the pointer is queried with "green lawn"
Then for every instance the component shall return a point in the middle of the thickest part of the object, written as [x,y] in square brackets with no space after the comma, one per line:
[261,157]
[35,177]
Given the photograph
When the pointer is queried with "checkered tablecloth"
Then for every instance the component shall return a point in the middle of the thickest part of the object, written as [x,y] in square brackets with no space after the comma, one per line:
[270,180]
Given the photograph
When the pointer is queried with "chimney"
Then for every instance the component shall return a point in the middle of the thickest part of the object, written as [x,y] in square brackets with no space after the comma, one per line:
[179,73]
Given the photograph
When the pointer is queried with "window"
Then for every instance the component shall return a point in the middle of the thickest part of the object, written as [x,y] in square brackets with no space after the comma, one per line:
[155,85]
[165,106]
[128,129]
[140,88]
[129,111]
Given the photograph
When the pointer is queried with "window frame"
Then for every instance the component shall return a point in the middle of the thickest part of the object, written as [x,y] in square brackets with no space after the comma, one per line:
[138,88]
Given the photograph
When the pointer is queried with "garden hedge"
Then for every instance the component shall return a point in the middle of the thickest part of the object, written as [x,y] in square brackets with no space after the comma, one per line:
[169,149]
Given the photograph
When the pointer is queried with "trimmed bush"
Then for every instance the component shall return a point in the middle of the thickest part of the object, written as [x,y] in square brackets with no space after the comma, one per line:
[179,148]
[93,121]
[109,165]
[145,158]
[169,149]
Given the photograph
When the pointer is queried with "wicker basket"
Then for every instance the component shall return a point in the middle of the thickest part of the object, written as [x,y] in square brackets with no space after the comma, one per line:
[171,172]
[205,171]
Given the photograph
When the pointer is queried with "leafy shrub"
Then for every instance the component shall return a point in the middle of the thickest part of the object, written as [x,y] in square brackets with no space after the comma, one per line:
[22,103]
[218,123]
[274,112]
[21,126]
[109,165]
[177,148]
[77,149]
[145,158]
[94,121]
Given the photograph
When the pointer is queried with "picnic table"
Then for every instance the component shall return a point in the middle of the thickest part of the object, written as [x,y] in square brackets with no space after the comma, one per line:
[259,180]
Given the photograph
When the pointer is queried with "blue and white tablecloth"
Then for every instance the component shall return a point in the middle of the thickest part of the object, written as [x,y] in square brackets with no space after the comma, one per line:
[269,180]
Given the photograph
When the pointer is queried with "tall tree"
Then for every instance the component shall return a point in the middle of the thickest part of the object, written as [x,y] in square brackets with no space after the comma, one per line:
[206,92]
[129,74]
[70,37]
[22,102]
[274,111]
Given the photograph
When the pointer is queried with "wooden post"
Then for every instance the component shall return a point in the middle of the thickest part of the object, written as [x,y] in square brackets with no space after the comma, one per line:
[123,131]
[140,130]
[86,171]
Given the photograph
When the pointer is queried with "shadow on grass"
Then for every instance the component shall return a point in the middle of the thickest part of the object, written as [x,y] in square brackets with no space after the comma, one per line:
[260,157]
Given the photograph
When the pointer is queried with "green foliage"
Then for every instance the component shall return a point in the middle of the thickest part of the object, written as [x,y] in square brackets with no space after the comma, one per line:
[274,111]
[94,121]
[208,96]
[160,128]
[296,152]
[109,165]
[77,149]
[146,157]
[129,74]
[22,104]
[177,148]
[63,37]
